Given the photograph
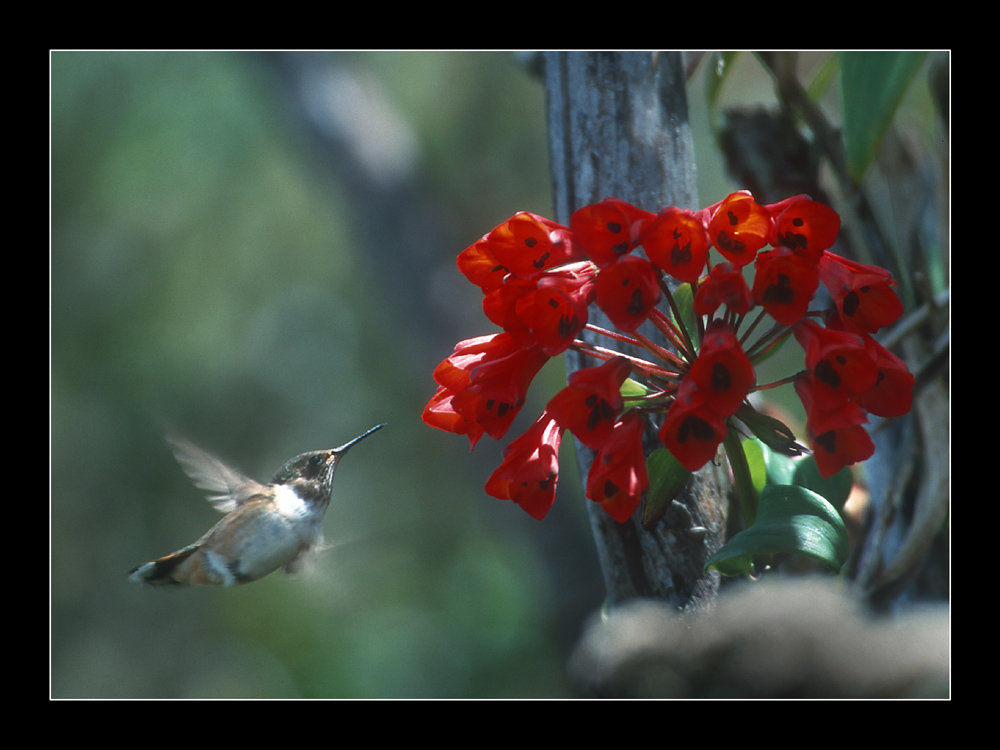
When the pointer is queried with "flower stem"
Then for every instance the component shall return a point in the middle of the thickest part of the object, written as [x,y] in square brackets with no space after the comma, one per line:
[658,351]
[768,342]
[756,321]
[776,383]
[689,348]
[599,352]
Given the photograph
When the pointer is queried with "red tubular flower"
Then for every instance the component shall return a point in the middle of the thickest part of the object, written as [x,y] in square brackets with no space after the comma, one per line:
[589,404]
[530,468]
[892,393]
[722,371]
[692,431]
[507,370]
[805,226]
[608,230]
[493,416]
[861,292]
[835,449]
[500,306]
[739,227]
[440,413]
[528,244]
[677,242]
[617,478]
[627,291]
[840,359]
[784,284]
[557,310]
[478,264]
[487,378]
[834,426]
[724,285]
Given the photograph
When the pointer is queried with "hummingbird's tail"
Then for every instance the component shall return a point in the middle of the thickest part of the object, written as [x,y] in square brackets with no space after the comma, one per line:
[166,570]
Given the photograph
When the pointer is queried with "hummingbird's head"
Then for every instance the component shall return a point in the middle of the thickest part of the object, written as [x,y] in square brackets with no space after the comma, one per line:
[311,474]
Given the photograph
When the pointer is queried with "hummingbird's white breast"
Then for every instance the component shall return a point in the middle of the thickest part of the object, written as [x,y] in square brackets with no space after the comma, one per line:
[305,516]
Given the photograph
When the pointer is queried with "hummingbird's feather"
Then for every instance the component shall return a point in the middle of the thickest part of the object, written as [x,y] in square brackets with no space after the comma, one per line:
[209,473]
[161,571]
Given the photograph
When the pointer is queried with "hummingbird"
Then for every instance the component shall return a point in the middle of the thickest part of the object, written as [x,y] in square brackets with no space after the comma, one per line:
[267,526]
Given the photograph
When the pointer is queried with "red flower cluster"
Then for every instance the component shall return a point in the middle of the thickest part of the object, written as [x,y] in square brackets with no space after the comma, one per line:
[540,278]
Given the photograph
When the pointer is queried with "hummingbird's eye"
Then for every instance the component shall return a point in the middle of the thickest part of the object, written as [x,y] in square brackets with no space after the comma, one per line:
[313,466]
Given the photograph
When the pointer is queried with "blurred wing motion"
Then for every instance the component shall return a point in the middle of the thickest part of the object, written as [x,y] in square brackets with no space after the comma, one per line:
[231,488]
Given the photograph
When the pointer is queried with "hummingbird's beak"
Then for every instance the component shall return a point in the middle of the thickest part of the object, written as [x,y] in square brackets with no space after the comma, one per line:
[343,449]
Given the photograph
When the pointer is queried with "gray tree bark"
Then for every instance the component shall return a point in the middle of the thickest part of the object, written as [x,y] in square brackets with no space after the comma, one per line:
[618,127]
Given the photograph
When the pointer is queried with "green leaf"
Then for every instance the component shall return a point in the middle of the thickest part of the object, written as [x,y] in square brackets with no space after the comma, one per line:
[722,63]
[757,461]
[767,466]
[746,492]
[792,520]
[632,392]
[824,76]
[666,479]
[835,490]
[871,86]
[683,297]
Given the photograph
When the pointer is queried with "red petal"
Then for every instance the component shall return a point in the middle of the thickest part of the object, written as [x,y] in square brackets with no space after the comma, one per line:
[556,311]
[724,285]
[826,409]
[861,292]
[441,414]
[784,284]
[691,431]
[500,307]
[840,359]
[627,291]
[836,449]
[804,225]
[530,468]
[604,231]
[739,227]
[480,266]
[590,403]
[617,477]
[677,242]
[529,244]
[892,394]
[722,371]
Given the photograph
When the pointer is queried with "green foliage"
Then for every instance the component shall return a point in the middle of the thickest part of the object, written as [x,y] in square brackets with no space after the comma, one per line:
[790,519]
[797,512]
[871,86]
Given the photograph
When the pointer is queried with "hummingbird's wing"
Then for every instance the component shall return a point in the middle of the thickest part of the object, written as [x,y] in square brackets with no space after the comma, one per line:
[209,473]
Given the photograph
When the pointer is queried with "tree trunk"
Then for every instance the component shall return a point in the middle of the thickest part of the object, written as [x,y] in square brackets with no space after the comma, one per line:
[618,127]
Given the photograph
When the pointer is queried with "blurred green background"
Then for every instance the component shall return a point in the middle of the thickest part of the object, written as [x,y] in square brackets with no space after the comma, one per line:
[258,251]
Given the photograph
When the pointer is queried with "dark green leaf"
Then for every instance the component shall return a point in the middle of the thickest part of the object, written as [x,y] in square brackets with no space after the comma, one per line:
[746,492]
[666,479]
[835,489]
[871,86]
[792,520]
